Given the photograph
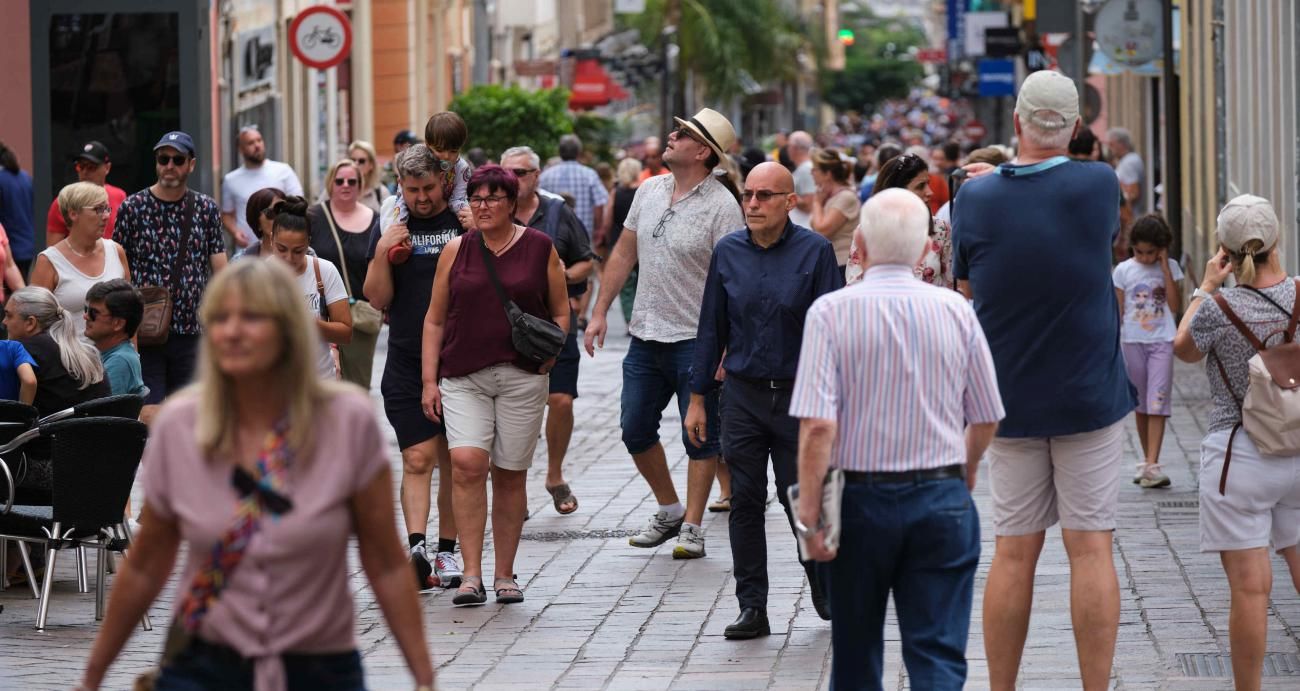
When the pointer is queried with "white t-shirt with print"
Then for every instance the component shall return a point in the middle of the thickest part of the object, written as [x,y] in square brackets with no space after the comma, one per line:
[1147,318]
[334,292]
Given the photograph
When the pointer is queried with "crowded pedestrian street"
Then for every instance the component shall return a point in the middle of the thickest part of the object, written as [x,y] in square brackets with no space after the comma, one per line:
[603,615]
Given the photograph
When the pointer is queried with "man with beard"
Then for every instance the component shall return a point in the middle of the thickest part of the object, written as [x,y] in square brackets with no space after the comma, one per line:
[258,172]
[172,238]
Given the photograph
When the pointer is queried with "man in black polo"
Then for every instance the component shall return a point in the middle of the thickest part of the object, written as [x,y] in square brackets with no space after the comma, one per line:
[549,214]
[762,280]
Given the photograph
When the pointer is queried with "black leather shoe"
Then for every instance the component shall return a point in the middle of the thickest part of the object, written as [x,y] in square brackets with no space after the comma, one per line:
[819,600]
[751,623]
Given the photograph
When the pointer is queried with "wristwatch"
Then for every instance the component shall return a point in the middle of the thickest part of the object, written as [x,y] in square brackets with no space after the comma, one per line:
[1202,293]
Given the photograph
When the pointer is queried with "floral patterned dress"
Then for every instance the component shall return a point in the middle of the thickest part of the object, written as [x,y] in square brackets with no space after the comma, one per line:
[935,266]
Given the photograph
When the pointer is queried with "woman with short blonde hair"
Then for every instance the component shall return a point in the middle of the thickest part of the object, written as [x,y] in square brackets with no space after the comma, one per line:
[282,468]
[84,257]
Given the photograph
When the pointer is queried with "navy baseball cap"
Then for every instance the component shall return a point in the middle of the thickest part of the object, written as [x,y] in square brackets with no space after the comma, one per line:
[176,140]
[94,152]
[406,137]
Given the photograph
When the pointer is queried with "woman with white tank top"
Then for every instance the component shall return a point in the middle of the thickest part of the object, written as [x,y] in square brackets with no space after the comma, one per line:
[84,257]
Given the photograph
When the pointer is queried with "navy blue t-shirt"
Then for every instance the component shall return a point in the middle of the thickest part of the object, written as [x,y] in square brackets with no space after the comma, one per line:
[1036,248]
[413,280]
[16,213]
[12,354]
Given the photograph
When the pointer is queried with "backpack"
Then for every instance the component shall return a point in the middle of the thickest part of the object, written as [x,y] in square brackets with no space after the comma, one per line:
[1270,409]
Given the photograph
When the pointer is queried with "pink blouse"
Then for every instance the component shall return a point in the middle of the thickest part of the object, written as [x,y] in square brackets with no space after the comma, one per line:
[290,593]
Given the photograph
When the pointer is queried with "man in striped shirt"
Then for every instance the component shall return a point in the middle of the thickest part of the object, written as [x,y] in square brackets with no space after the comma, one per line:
[896,388]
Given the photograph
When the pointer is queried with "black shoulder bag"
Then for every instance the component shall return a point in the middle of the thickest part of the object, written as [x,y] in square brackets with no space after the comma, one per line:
[535,338]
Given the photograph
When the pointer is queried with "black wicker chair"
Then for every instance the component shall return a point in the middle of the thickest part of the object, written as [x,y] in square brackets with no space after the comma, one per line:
[127,405]
[94,463]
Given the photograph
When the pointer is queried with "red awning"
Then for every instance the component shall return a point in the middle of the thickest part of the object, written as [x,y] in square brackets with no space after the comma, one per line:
[592,86]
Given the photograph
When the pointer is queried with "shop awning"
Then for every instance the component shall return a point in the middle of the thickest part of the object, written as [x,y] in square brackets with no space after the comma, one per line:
[592,86]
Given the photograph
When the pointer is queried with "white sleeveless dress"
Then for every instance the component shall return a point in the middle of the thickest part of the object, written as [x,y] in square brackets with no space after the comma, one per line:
[73,284]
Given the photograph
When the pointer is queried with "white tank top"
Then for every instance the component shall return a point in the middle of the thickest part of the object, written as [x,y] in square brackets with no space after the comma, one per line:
[72,287]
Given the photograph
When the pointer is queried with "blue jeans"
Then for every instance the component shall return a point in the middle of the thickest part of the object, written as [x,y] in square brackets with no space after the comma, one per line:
[653,373]
[204,666]
[921,541]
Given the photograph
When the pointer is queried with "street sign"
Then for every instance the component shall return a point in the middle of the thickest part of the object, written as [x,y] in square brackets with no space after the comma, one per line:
[320,37]
[932,56]
[535,68]
[997,77]
[975,131]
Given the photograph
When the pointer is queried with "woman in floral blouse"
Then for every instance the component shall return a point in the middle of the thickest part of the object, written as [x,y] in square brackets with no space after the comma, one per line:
[912,173]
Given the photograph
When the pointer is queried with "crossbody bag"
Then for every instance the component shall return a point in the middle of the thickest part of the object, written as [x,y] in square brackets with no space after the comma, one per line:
[365,318]
[535,338]
[156,323]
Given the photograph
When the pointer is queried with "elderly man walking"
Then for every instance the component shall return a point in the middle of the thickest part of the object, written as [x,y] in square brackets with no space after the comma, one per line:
[896,389]
[673,225]
[762,280]
[1040,278]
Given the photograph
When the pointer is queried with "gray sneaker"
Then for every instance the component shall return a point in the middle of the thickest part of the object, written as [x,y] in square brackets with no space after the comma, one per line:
[1153,477]
[658,531]
[690,543]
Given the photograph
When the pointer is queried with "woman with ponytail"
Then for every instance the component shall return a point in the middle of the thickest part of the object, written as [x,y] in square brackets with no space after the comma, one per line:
[319,281]
[68,370]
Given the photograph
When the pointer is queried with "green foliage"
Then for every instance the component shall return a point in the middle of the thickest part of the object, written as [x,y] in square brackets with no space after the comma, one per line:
[600,135]
[501,117]
[877,66]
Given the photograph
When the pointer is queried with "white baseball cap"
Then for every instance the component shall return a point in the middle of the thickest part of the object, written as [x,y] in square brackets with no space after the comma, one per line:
[1051,91]
[1247,218]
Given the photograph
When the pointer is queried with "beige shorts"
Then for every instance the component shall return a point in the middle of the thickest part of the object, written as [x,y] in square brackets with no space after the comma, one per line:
[1260,506]
[498,409]
[1073,479]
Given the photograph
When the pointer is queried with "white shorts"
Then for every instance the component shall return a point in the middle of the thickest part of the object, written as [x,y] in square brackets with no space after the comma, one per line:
[1260,505]
[1074,479]
[498,409]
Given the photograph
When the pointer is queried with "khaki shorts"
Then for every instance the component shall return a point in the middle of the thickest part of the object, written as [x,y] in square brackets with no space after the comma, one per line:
[1260,506]
[1073,479]
[498,409]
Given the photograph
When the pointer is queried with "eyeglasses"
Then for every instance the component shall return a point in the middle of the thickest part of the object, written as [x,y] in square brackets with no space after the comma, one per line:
[763,196]
[520,172]
[490,202]
[663,222]
[178,160]
[350,182]
[101,209]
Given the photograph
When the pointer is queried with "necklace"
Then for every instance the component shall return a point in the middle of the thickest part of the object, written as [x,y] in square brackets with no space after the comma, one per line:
[513,233]
[93,249]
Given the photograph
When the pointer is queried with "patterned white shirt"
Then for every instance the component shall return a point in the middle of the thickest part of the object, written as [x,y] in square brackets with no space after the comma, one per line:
[902,366]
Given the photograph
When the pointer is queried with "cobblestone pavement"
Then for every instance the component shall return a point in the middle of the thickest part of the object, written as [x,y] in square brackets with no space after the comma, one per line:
[602,615]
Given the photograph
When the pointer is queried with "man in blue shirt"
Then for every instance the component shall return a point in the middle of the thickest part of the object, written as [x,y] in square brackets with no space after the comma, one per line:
[113,313]
[1033,248]
[762,280]
[16,209]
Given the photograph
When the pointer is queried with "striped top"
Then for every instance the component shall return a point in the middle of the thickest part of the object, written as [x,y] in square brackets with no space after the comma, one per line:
[901,366]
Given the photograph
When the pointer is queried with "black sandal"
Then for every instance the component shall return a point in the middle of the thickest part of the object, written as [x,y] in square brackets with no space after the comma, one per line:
[470,592]
[513,593]
[561,494]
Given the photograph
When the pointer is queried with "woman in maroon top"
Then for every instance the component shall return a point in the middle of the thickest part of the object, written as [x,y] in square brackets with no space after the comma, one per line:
[490,398]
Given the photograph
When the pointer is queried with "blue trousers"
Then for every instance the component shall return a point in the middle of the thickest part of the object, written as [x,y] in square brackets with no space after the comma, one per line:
[920,541]
[207,667]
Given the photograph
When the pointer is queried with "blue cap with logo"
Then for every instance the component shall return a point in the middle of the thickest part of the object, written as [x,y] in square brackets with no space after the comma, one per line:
[176,140]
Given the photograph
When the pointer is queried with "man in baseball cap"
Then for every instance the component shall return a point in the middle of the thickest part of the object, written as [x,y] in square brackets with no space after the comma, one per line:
[180,141]
[92,164]
[1048,221]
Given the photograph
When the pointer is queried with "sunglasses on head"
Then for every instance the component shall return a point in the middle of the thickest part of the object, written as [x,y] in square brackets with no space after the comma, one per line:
[178,160]
[350,182]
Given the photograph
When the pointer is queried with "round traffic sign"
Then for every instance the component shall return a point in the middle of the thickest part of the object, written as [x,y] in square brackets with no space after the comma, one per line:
[975,130]
[320,37]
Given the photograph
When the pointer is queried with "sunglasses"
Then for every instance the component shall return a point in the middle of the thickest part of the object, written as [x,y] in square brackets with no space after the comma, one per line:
[178,160]
[361,161]
[520,172]
[350,182]
[684,132]
[246,485]
[763,196]
[93,313]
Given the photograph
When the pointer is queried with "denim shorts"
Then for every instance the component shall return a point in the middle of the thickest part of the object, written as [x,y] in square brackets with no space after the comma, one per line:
[207,666]
[653,373]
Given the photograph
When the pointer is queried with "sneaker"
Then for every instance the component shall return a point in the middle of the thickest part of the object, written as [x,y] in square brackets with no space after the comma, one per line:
[1153,477]
[425,579]
[1137,476]
[446,569]
[690,543]
[658,531]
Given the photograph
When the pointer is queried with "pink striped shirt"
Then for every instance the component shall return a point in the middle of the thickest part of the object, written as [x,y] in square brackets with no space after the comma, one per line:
[901,366]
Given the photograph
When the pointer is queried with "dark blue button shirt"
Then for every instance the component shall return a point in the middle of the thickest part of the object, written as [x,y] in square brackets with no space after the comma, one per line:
[755,300]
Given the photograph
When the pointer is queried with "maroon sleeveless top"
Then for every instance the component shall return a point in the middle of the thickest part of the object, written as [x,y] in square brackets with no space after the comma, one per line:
[477,331]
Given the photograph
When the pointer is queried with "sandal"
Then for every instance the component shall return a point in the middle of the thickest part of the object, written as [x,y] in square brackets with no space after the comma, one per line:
[470,592]
[561,494]
[510,593]
[722,504]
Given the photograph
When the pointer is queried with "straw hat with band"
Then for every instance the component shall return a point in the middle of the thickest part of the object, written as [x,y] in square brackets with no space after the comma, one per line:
[712,128]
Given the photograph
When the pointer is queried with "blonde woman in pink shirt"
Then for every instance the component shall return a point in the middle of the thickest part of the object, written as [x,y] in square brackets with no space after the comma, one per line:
[264,470]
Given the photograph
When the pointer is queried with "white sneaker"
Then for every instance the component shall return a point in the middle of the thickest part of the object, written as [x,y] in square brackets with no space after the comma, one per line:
[657,531]
[690,543]
[1153,477]
[1137,476]
[446,568]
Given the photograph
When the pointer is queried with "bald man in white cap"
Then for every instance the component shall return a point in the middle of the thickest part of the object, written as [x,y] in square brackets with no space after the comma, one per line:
[671,229]
[1032,245]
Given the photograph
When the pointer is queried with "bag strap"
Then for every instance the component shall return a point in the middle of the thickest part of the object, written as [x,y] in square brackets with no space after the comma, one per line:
[489,262]
[320,287]
[1236,321]
[1270,300]
[1223,372]
[343,262]
[187,223]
